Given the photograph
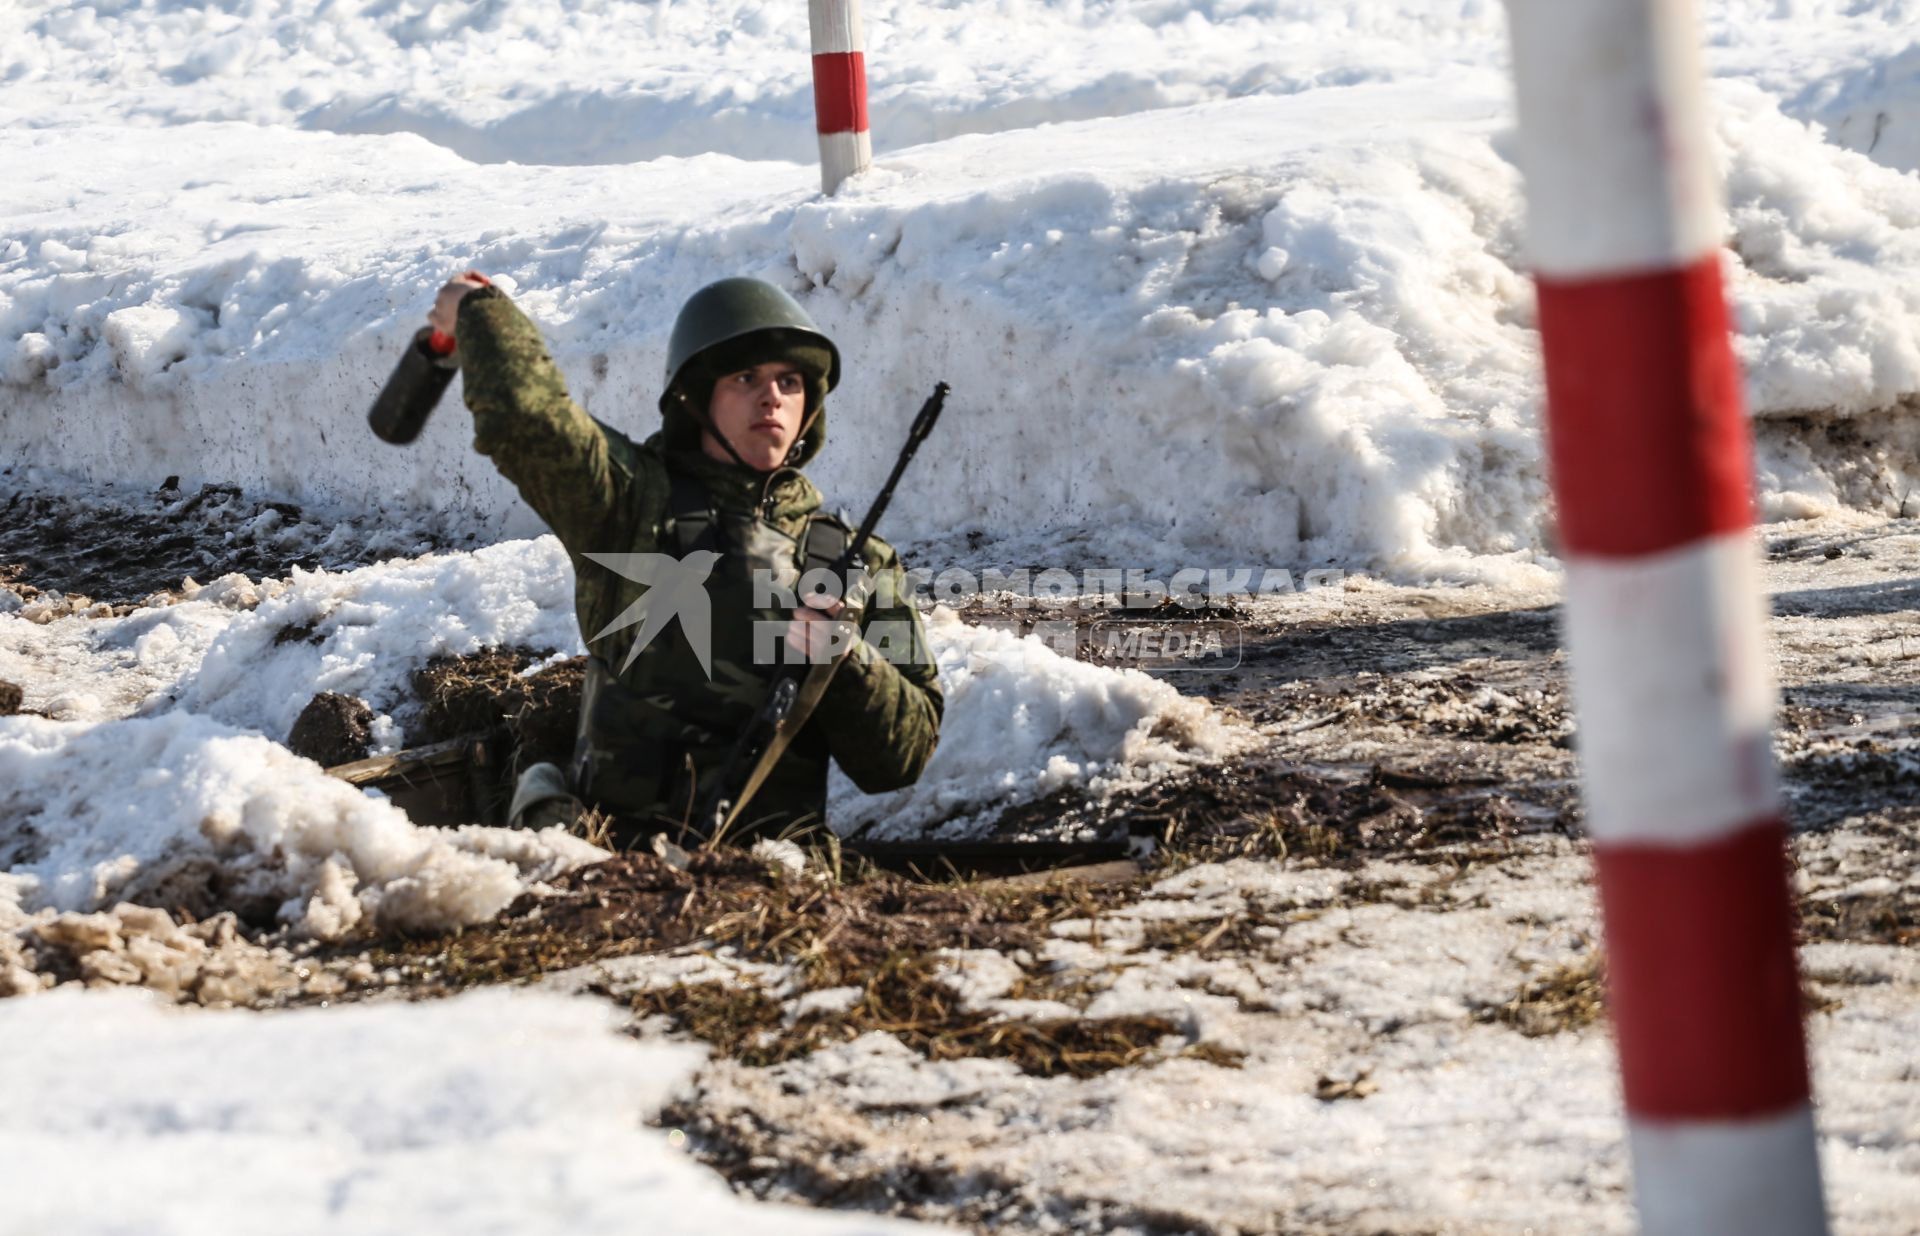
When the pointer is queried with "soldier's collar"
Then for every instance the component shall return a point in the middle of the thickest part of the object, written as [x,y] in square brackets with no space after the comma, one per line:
[788,488]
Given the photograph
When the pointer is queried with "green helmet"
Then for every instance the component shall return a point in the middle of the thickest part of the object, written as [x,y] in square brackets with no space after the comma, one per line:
[733,309]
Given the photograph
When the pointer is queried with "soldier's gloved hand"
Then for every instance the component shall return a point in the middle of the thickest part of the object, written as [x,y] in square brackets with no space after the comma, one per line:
[446,305]
[817,633]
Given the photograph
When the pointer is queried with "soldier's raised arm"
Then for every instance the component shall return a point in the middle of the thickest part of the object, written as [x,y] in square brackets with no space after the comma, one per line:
[576,474]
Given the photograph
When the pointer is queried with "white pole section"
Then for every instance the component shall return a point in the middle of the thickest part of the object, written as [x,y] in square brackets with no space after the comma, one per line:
[839,90]
[1651,459]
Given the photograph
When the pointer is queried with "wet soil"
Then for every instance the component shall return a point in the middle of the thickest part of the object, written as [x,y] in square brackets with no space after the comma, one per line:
[332,729]
[1268,807]
[121,548]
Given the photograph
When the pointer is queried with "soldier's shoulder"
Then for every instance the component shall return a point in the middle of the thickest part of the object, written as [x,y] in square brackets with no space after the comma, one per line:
[643,459]
[617,439]
[635,482]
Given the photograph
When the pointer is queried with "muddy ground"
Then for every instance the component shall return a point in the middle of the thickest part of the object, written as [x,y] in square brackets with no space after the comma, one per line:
[116,548]
[1417,761]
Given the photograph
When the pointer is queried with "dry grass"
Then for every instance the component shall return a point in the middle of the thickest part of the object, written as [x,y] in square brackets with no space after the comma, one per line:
[483,692]
[1270,810]
[907,997]
[1271,834]
[879,933]
[1892,917]
[1565,998]
[836,932]
[1247,934]
[595,827]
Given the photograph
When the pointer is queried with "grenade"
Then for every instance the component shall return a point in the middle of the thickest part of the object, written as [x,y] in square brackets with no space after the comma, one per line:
[418,381]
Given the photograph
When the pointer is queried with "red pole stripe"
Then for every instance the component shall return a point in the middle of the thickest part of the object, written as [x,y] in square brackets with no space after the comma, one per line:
[1701,976]
[840,92]
[1647,436]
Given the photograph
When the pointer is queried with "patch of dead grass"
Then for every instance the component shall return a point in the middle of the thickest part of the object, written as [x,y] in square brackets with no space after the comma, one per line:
[1242,934]
[837,933]
[1568,997]
[907,997]
[879,933]
[483,692]
[1269,810]
[1891,917]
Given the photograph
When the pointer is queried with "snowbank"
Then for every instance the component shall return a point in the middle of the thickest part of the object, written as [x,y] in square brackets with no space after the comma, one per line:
[497,1112]
[1853,68]
[1268,303]
[1021,722]
[108,805]
[364,632]
[1873,108]
[1827,247]
[162,807]
[252,653]
[731,76]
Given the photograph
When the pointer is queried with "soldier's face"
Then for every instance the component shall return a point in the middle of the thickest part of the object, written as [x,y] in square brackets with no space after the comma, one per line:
[759,411]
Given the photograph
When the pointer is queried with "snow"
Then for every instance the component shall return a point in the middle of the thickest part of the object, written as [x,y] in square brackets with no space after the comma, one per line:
[1023,721]
[95,813]
[501,1111]
[1306,337]
[164,753]
[1225,283]
[372,627]
[1853,69]
[642,82]
[253,652]
[154,771]
[1466,1126]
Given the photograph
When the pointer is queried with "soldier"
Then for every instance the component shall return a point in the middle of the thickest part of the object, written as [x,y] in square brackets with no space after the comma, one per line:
[718,488]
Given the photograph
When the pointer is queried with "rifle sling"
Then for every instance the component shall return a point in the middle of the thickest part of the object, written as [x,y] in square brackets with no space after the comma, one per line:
[812,687]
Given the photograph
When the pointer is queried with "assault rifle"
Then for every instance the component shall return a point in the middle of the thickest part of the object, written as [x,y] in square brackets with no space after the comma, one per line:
[796,690]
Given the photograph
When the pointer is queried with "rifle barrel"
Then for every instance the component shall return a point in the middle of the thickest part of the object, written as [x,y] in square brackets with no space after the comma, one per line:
[922,426]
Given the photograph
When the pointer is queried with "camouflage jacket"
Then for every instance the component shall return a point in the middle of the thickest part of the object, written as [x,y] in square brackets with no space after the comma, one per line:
[653,731]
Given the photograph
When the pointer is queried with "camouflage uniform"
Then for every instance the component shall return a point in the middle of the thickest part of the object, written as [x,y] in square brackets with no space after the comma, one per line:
[654,732]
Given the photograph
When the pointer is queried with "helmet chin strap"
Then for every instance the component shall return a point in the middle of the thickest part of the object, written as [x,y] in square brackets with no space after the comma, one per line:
[800,439]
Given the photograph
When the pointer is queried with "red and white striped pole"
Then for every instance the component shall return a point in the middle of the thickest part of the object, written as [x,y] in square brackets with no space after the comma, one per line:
[1650,452]
[839,90]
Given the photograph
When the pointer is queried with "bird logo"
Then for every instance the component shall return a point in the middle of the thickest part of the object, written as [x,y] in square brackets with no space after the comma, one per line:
[676,588]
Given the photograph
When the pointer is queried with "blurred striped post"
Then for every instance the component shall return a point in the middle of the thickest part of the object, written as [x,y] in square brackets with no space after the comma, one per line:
[839,90]
[1650,452]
